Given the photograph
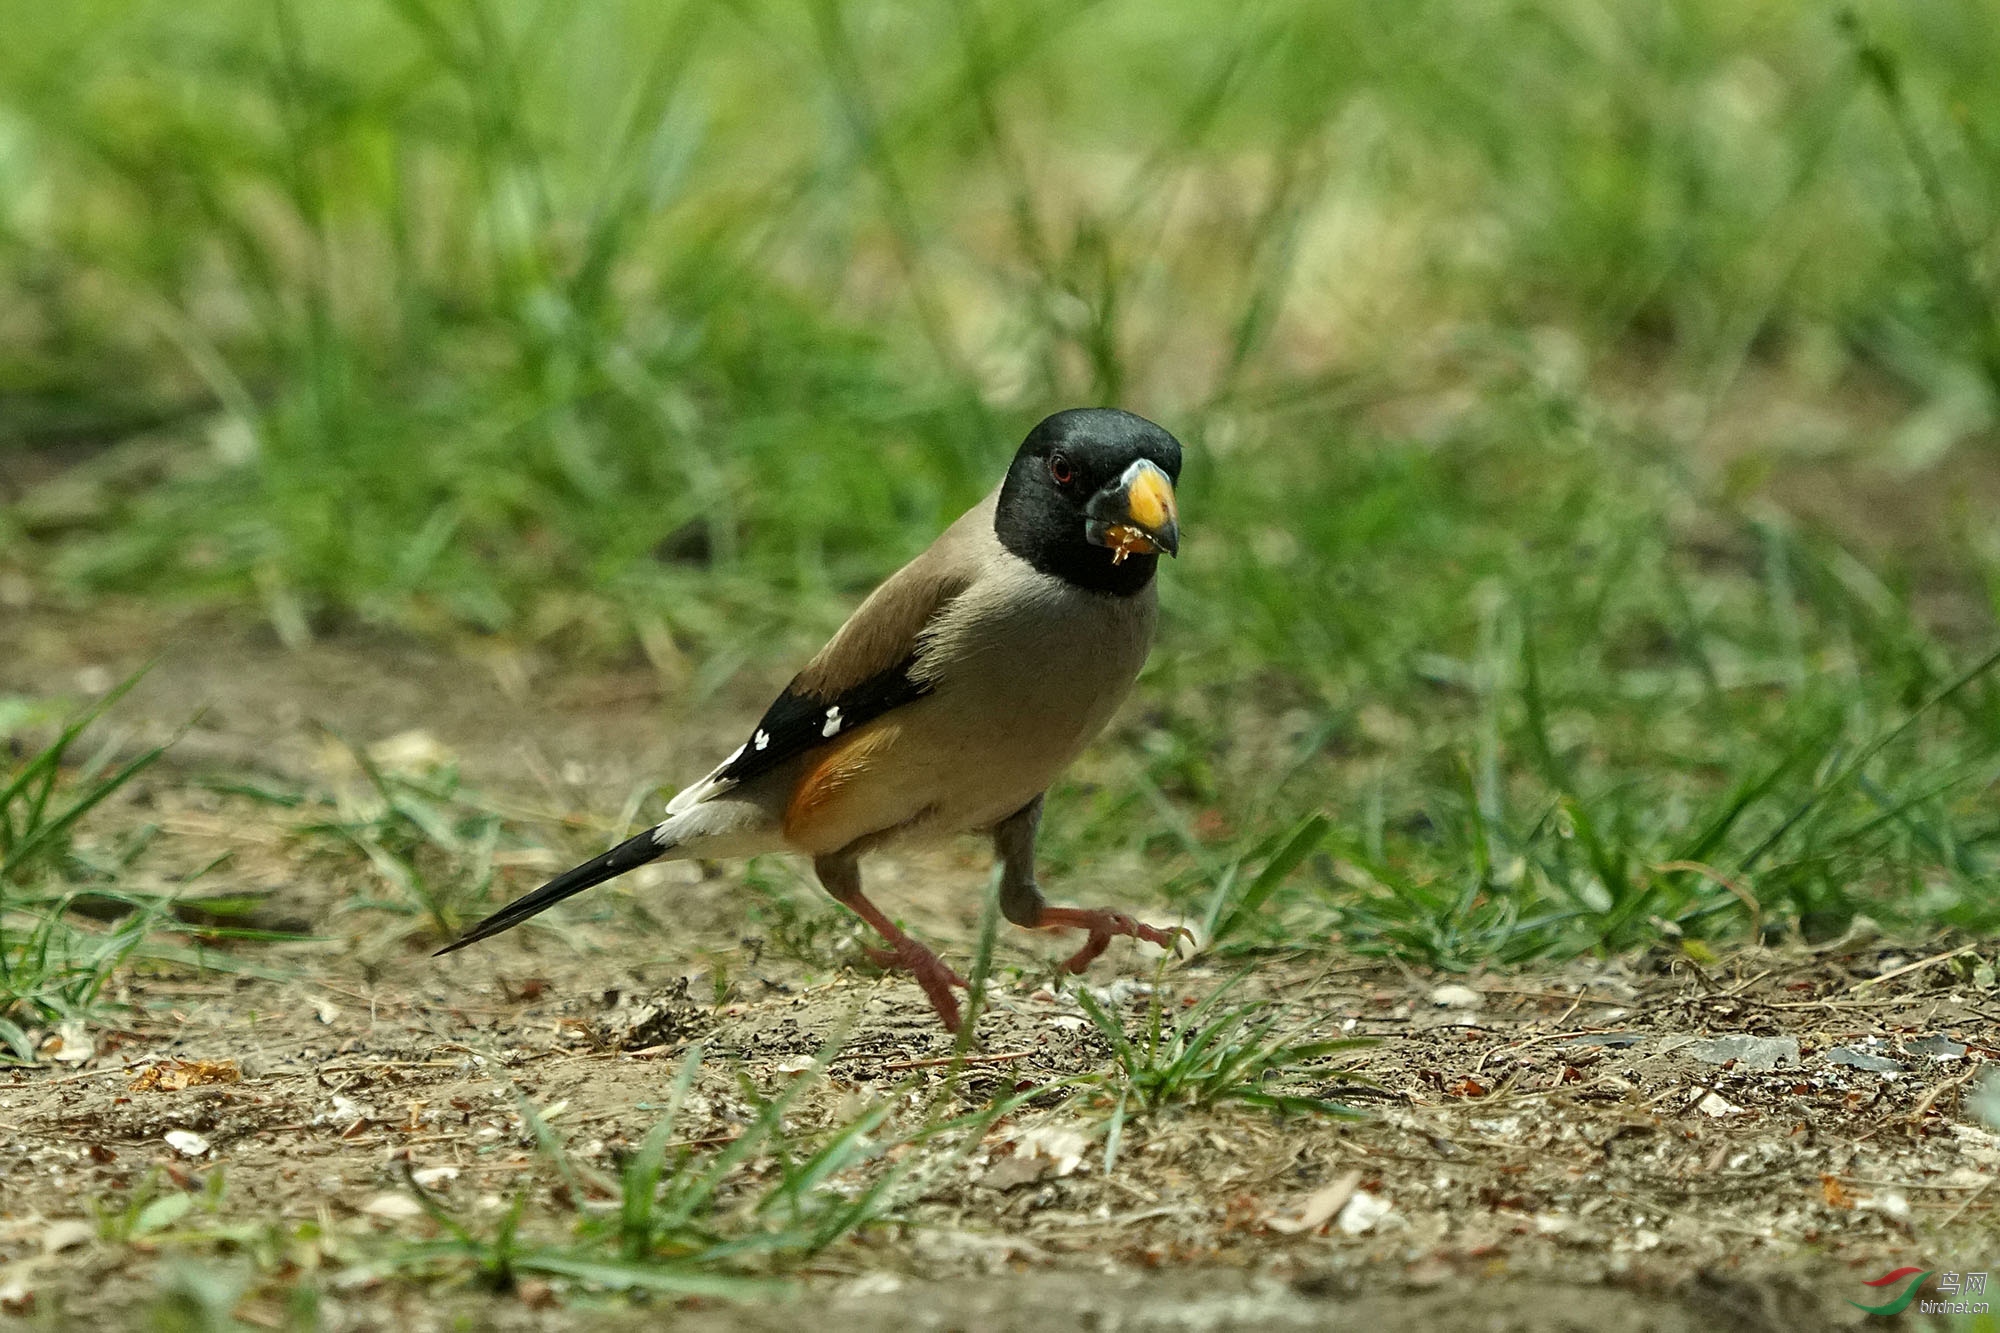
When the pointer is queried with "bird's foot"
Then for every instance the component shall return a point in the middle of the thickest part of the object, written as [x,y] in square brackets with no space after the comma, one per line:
[904,954]
[931,972]
[1103,925]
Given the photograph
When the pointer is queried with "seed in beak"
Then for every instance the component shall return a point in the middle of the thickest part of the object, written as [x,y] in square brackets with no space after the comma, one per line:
[1125,540]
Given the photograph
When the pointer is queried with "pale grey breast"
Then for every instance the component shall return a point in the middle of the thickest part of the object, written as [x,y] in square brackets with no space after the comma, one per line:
[1027,670]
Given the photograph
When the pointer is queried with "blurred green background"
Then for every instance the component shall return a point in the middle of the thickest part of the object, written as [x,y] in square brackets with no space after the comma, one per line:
[1590,405]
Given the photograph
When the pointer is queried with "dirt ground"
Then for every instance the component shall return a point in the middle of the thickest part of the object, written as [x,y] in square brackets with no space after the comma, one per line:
[1582,1146]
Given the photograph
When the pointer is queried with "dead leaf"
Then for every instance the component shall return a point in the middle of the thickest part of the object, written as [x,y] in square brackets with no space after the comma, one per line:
[1063,1147]
[529,988]
[1320,1208]
[1835,1192]
[1042,1150]
[175,1075]
[1013,1171]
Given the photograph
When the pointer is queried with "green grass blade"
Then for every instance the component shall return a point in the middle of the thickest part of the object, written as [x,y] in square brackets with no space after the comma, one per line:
[1303,840]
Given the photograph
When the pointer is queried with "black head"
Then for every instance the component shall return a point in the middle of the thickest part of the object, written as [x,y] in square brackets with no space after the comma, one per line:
[1090,498]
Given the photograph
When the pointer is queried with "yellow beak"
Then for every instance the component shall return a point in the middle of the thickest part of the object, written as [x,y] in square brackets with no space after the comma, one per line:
[1135,515]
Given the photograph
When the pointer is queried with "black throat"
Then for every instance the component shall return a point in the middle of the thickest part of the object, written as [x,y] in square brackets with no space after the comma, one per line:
[1052,540]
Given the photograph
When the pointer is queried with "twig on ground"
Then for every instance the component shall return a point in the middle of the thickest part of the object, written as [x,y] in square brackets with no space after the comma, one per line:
[1908,968]
[1929,1099]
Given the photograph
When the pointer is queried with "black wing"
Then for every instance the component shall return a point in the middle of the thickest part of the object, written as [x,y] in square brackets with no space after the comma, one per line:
[837,691]
[799,719]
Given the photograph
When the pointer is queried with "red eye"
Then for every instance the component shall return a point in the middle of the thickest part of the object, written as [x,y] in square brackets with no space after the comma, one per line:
[1060,469]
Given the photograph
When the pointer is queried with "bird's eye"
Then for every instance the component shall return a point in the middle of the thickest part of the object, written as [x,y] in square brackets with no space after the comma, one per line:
[1061,469]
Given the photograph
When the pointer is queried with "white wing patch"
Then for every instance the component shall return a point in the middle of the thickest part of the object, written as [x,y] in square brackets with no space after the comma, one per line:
[713,785]
[832,724]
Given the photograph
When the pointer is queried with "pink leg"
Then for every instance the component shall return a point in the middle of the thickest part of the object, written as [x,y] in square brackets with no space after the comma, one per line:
[1022,903]
[843,881]
[1102,925]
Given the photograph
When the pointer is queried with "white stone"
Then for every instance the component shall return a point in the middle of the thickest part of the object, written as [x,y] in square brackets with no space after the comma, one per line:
[186,1142]
[1457,997]
[1362,1212]
[397,1207]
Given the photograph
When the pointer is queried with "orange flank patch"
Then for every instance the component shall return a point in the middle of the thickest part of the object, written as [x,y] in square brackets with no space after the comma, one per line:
[824,782]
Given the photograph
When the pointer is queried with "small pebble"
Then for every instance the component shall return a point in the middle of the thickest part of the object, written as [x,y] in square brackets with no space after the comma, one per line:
[1937,1048]
[186,1142]
[1748,1052]
[1856,1059]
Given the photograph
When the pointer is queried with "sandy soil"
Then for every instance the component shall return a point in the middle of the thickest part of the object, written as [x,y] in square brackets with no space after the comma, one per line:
[1565,1148]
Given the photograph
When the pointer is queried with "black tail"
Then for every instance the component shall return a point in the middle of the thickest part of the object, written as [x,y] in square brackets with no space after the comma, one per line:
[627,855]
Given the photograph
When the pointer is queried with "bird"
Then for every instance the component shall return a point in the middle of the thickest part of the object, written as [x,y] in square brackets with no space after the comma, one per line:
[951,699]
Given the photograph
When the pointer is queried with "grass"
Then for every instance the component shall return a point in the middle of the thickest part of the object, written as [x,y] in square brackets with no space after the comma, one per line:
[39,811]
[1516,349]
[683,1215]
[427,842]
[415,844]
[70,920]
[572,325]
[1509,343]
[1213,1054]
[54,961]
[673,329]
[1535,713]
[684,1223]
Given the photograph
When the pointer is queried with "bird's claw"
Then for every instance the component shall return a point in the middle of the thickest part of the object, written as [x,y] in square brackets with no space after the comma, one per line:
[1170,938]
[1104,926]
[931,972]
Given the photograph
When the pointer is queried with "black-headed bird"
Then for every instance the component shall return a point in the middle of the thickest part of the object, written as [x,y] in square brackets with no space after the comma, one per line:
[952,697]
